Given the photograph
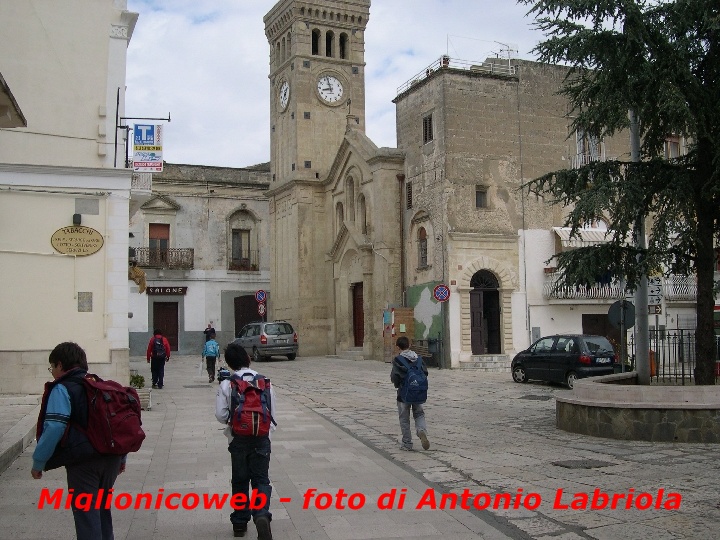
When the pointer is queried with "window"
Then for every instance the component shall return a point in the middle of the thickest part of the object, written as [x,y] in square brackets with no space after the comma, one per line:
[350,197]
[343,46]
[481,197]
[159,236]
[427,129]
[241,249]
[408,192]
[422,248]
[362,215]
[339,216]
[159,243]
[316,42]
[329,43]
[672,147]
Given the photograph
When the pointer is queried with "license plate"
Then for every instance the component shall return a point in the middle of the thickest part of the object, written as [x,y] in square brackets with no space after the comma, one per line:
[602,360]
[281,341]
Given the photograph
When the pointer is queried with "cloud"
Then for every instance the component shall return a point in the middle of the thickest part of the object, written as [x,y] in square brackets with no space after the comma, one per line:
[206,63]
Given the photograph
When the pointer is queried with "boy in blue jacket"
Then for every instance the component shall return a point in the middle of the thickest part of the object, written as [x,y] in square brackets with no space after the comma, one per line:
[211,350]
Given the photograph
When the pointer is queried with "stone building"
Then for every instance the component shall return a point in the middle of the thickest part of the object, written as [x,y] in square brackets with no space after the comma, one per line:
[357,230]
[64,203]
[200,242]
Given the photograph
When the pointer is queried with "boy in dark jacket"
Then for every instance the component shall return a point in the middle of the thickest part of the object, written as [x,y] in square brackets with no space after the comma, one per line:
[64,406]
[397,375]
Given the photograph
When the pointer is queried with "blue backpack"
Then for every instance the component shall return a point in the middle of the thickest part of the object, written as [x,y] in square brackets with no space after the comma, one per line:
[415,384]
[211,348]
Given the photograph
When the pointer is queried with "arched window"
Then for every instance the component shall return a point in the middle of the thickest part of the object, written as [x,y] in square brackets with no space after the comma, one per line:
[316,42]
[362,215]
[329,43]
[339,217]
[484,279]
[350,197]
[284,50]
[422,248]
[344,46]
[278,58]
[243,242]
[288,51]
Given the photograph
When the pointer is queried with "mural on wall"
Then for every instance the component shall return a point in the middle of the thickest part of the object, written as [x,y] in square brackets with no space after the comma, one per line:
[428,321]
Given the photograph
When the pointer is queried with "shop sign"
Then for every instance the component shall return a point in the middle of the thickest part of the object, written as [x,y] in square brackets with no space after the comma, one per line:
[166,290]
[77,240]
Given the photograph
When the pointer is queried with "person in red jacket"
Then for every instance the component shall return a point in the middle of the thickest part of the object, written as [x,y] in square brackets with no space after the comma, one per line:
[158,353]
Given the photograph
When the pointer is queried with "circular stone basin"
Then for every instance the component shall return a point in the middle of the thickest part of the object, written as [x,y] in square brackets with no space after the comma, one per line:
[616,407]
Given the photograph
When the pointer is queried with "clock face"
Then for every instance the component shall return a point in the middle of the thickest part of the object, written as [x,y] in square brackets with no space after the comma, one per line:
[284,95]
[330,88]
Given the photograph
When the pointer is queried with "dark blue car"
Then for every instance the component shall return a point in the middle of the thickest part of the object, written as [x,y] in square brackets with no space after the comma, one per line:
[564,359]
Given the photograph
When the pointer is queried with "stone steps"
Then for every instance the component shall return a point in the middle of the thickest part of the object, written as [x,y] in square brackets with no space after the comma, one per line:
[491,363]
[354,353]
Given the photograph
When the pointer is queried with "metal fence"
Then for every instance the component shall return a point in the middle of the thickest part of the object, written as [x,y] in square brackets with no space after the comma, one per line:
[672,355]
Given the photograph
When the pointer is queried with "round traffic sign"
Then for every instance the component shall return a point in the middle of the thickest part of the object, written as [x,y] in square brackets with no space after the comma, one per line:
[261,309]
[260,295]
[622,309]
[441,293]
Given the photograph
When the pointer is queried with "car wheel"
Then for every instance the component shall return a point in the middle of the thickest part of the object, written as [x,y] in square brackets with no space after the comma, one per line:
[257,357]
[519,375]
[570,379]
[291,356]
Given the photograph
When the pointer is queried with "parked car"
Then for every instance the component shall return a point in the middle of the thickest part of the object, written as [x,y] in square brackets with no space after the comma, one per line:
[564,358]
[265,339]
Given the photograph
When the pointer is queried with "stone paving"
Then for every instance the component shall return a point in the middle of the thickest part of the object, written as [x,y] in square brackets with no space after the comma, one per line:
[339,430]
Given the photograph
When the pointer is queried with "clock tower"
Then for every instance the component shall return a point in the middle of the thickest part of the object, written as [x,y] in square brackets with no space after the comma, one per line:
[317,88]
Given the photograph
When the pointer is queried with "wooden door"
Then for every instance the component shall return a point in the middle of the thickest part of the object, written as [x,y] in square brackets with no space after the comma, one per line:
[165,317]
[358,315]
[477,336]
[491,310]
[245,311]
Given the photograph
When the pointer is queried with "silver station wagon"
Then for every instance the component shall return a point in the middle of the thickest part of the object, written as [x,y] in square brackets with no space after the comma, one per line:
[262,340]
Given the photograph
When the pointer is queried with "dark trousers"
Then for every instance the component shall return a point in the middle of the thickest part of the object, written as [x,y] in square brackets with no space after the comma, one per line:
[210,365]
[89,477]
[157,368]
[250,458]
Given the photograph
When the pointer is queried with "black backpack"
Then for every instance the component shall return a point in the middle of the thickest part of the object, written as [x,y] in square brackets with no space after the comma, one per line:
[159,352]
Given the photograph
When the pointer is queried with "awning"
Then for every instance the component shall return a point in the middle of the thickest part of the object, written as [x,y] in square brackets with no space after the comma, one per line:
[583,237]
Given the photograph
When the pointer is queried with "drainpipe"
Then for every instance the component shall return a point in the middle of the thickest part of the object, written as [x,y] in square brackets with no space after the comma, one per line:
[401,213]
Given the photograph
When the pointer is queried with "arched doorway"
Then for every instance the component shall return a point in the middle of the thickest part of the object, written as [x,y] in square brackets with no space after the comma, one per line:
[485,313]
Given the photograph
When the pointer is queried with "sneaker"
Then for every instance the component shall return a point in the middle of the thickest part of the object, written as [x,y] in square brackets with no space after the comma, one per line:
[424,440]
[239,529]
[406,448]
[263,528]
[159,387]
[154,385]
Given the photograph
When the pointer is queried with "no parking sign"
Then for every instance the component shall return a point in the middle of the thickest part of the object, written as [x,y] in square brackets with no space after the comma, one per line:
[441,293]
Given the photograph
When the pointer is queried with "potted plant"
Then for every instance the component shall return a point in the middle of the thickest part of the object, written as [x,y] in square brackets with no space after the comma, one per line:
[137,381]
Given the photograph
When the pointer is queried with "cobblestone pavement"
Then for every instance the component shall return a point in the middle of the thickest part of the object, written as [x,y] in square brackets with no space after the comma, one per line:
[492,435]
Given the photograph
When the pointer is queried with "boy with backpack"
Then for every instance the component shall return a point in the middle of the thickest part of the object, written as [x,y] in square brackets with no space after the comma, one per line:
[67,435]
[211,350]
[409,375]
[246,405]
[158,353]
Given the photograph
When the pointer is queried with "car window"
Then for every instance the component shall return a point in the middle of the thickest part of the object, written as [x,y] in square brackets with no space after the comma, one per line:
[566,344]
[252,331]
[276,329]
[598,344]
[544,345]
[243,332]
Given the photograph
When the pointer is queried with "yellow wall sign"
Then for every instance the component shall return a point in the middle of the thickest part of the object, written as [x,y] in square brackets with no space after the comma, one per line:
[77,240]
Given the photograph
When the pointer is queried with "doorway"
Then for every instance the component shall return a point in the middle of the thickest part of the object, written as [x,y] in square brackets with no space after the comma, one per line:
[485,321]
[246,311]
[165,317]
[358,314]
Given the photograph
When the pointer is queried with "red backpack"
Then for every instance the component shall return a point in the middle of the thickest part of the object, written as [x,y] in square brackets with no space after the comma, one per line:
[113,416]
[250,406]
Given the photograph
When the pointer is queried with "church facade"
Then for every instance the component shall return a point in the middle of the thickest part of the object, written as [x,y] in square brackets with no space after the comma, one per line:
[358,230]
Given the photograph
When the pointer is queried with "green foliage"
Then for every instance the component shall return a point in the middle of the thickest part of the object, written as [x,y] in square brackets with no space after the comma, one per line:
[137,381]
[660,59]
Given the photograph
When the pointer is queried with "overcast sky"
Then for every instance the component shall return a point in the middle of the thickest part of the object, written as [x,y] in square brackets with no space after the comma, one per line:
[206,63]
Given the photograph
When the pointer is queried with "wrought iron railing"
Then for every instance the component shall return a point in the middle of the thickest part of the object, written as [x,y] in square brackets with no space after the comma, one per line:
[249,261]
[672,355]
[675,288]
[182,258]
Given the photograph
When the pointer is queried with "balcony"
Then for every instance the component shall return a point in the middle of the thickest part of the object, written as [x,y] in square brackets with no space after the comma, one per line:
[180,259]
[248,262]
[598,291]
[580,160]
[675,288]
